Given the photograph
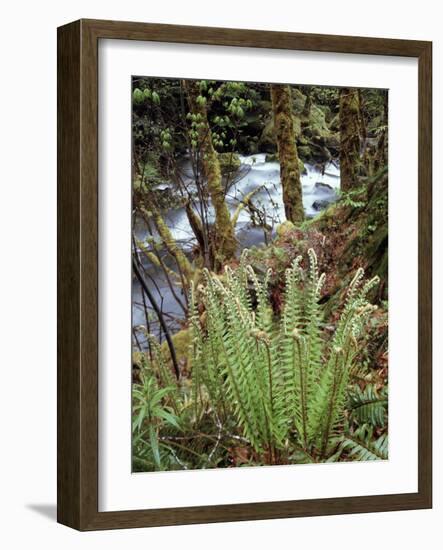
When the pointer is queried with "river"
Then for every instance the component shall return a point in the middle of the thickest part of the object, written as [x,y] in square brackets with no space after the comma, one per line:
[319,189]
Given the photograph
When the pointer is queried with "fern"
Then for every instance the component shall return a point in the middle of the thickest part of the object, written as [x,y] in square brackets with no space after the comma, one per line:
[280,377]
[350,198]
[368,406]
[330,397]
[361,445]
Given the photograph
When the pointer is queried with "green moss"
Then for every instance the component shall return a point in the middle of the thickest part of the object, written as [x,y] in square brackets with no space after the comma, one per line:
[313,135]
[323,219]
[317,122]
[287,151]
[349,137]
[299,100]
[326,111]
[137,358]
[171,245]
[285,228]
[225,243]
[271,157]
[297,126]
[334,125]
[229,163]
[367,237]
[181,341]
[267,142]
[305,153]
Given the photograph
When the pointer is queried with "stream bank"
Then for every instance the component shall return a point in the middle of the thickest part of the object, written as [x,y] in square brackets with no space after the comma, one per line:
[255,173]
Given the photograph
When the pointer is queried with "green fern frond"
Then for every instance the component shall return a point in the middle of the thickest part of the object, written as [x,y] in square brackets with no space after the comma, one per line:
[361,445]
[368,406]
[277,375]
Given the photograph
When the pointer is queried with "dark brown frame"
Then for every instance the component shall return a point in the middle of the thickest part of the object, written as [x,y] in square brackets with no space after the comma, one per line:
[77,455]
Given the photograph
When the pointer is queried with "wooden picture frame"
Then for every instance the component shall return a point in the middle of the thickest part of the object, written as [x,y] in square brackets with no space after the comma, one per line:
[78,274]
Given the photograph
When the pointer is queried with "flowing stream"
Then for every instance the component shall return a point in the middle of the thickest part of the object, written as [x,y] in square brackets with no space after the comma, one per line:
[320,188]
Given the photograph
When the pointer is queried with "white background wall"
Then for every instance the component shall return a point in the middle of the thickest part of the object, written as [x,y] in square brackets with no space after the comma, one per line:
[28,271]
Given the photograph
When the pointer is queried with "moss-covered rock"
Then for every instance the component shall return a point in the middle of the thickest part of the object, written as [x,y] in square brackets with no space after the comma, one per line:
[334,125]
[317,122]
[326,111]
[299,100]
[181,341]
[267,143]
[285,228]
[332,142]
[305,153]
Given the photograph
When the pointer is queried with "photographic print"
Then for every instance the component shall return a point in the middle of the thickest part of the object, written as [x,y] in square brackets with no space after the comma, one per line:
[259,274]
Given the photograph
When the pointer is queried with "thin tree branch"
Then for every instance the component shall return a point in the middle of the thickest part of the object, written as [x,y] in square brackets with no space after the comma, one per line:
[160,317]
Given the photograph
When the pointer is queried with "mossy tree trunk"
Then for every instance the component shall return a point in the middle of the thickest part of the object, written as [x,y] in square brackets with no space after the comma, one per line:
[287,152]
[171,246]
[196,225]
[381,156]
[225,243]
[349,138]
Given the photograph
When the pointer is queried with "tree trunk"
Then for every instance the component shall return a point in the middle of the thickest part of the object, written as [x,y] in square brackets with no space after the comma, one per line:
[349,138]
[287,152]
[196,226]
[226,243]
[381,156]
[171,246]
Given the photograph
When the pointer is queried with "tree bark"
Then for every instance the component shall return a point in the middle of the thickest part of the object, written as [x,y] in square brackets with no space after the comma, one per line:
[287,152]
[171,246]
[381,156]
[349,138]
[226,243]
[196,225]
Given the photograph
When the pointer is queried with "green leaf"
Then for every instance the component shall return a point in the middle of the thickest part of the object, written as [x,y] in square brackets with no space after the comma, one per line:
[154,446]
[170,418]
[362,445]
[159,394]
[138,96]
[138,421]
[367,406]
